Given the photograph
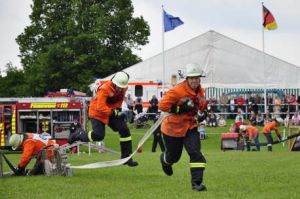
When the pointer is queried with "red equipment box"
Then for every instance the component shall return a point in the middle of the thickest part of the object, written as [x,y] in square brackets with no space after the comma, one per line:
[229,141]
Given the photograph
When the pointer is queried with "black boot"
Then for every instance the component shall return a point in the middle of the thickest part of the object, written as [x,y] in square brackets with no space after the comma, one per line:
[199,187]
[167,168]
[132,163]
[269,148]
[126,150]
[78,136]
[248,145]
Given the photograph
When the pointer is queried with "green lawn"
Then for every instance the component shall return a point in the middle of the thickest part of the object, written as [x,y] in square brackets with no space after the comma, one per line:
[230,174]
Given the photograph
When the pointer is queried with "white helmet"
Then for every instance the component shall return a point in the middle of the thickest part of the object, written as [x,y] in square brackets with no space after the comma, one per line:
[243,127]
[194,70]
[279,120]
[121,79]
[15,141]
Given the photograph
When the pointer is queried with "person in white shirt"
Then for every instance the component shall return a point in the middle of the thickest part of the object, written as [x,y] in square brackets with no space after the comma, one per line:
[125,111]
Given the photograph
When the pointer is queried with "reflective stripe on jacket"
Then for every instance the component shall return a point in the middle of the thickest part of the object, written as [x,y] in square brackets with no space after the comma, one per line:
[32,145]
[176,125]
[106,100]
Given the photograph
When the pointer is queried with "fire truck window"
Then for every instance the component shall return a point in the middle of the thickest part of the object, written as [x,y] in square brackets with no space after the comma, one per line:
[138,90]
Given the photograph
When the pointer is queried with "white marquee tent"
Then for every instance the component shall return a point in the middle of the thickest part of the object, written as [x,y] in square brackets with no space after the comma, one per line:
[226,62]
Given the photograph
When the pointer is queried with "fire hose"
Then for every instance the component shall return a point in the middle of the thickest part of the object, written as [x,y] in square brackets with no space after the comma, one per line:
[277,141]
[124,160]
[10,165]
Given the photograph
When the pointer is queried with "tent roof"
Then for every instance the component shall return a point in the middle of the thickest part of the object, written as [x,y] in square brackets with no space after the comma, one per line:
[226,62]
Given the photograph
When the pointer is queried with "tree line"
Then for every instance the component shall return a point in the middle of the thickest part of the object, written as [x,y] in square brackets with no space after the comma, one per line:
[70,43]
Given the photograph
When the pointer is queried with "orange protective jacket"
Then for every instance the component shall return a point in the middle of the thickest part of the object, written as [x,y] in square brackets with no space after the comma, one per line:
[252,132]
[32,145]
[177,125]
[271,126]
[106,100]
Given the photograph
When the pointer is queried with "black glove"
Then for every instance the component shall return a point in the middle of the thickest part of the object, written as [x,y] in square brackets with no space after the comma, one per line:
[20,171]
[115,113]
[201,116]
[279,138]
[186,107]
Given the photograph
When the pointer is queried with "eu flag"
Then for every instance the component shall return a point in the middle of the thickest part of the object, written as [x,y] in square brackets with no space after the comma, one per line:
[170,22]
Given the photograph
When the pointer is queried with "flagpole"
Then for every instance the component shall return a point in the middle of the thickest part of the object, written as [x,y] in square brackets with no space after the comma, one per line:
[264,60]
[163,48]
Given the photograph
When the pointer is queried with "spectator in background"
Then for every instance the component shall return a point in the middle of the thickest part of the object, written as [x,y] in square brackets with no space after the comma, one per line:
[268,118]
[259,119]
[240,101]
[270,103]
[239,120]
[212,119]
[129,102]
[125,112]
[231,106]
[239,117]
[284,102]
[223,105]
[287,120]
[292,103]
[138,104]
[157,137]
[255,108]
[202,131]
[153,107]
[213,104]
[296,119]
[258,101]
[248,106]
[252,118]
[277,106]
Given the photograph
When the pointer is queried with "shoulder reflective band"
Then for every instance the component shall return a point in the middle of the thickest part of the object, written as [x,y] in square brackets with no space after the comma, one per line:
[125,139]
[198,165]
[124,160]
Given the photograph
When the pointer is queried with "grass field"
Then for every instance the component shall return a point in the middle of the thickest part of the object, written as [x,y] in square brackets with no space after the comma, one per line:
[230,174]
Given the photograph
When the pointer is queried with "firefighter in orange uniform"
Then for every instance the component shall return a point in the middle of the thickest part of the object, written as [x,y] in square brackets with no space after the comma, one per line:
[250,133]
[104,110]
[180,128]
[31,144]
[268,128]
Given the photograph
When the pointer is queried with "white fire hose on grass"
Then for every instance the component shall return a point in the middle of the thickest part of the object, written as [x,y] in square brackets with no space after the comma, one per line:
[124,160]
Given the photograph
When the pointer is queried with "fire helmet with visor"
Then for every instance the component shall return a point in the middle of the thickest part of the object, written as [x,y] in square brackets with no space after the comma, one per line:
[121,79]
[194,70]
[15,141]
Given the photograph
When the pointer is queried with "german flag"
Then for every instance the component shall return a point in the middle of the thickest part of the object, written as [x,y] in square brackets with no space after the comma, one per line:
[269,21]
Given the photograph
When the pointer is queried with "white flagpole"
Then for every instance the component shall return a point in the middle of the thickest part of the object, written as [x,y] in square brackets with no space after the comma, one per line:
[264,60]
[163,49]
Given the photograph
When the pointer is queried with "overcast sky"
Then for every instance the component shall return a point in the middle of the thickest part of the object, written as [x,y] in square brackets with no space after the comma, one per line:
[239,19]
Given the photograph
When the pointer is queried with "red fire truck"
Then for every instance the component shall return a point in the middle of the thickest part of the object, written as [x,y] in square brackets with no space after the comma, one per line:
[48,115]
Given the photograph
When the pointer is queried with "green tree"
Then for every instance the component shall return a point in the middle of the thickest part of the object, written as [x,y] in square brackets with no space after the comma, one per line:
[13,84]
[70,42]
